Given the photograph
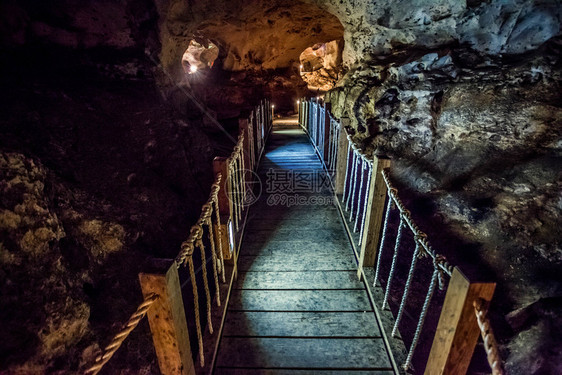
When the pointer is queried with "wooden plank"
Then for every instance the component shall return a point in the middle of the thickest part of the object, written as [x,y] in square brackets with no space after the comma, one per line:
[300,300]
[341,163]
[322,236]
[304,353]
[277,371]
[300,248]
[457,331]
[167,321]
[301,324]
[327,223]
[296,262]
[296,213]
[374,215]
[298,280]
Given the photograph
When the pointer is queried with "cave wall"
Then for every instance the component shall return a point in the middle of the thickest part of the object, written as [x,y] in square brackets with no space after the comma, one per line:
[374,29]
[464,96]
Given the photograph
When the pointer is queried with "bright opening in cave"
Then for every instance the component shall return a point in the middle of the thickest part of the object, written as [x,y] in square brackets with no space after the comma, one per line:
[199,55]
[321,65]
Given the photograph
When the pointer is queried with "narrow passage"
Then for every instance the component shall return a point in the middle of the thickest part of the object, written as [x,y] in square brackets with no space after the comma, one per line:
[297,306]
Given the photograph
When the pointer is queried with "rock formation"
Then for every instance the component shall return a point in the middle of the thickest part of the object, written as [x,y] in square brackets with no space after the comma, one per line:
[106,143]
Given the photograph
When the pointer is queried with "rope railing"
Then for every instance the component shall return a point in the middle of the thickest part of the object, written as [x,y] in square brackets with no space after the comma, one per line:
[354,176]
[236,194]
[185,257]
[441,267]
[359,169]
[246,153]
[120,337]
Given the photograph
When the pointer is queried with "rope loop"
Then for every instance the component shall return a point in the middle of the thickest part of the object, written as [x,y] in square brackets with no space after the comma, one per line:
[420,238]
[437,261]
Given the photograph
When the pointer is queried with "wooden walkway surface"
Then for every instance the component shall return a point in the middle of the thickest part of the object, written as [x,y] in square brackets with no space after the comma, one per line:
[297,306]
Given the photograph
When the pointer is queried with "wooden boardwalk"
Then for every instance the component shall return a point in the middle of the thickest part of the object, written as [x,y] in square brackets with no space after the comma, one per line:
[297,306]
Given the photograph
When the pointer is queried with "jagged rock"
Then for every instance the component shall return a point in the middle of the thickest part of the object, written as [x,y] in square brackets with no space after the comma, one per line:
[320,65]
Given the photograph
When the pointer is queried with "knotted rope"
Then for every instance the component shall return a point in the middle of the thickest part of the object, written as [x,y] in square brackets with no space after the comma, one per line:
[490,344]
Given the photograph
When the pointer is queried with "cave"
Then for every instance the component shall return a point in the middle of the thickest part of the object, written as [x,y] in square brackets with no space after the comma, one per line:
[116,116]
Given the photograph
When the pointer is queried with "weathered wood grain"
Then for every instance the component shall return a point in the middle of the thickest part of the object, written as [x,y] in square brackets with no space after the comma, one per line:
[301,324]
[300,300]
[319,236]
[276,261]
[304,353]
[254,371]
[457,331]
[300,248]
[298,280]
[297,306]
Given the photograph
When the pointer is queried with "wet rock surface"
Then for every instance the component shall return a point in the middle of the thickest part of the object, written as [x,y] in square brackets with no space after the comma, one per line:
[482,143]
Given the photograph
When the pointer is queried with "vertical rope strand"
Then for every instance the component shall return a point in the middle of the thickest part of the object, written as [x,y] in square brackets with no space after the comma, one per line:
[355,182]
[490,344]
[407,287]
[201,247]
[196,309]
[383,237]
[346,180]
[351,180]
[421,320]
[394,258]
[361,199]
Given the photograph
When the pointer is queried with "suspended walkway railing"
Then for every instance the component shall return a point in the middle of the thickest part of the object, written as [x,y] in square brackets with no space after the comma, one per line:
[367,197]
[209,252]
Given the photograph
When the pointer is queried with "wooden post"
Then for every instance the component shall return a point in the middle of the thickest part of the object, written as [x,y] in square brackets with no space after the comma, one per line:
[374,215]
[341,164]
[326,129]
[224,238]
[457,331]
[167,320]
[225,203]
[257,135]
[219,166]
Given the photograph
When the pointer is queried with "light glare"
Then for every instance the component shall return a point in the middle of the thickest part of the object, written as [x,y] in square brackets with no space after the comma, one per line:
[192,68]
